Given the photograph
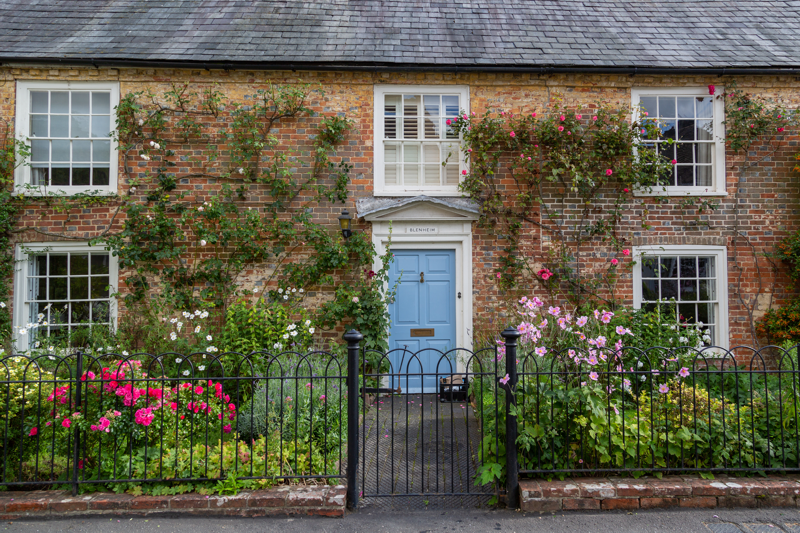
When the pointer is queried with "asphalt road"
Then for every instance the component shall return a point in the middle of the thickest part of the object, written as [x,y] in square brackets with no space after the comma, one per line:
[469,521]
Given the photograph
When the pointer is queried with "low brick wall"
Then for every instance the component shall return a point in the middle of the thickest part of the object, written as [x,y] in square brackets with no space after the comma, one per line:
[284,500]
[651,493]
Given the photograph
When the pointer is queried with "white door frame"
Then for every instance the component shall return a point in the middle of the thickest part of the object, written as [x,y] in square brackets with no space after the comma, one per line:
[427,226]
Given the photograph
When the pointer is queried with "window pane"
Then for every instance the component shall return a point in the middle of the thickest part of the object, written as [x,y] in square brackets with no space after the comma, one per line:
[59,174]
[80,102]
[410,128]
[411,105]
[669,267]
[81,175]
[40,150]
[411,174]
[688,290]
[39,101]
[59,126]
[39,125]
[703,176]
[80,126]
[685,107]
[99,264]
[452,175]
[666,106]
[60,151]
[432,174]
[58,289]
[101,103]
[99,287]
[101,151]
[100,176]
[81,150]
[431,105]
[100,126]
[703,152]
[58,265]
[688,267]
[687,313]
[669,289]
[79,264]
[59,102]
[685,176]
[649,267]
[706,292]
[649,290]
[705,130]
[432,128]
[79,288]
[705,107]
[668,129]
[685,152]
[40,175]
[100,312]
[686,130]
[706,267]
[649,105]
[411,153]
[451,107]
[79,313]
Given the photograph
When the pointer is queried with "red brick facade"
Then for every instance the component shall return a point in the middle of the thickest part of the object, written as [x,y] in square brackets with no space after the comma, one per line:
[760,208]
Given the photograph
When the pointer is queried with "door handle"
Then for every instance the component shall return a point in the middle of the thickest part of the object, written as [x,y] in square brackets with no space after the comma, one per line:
[422,277]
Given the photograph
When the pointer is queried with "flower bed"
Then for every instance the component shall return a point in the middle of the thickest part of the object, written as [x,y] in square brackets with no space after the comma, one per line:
[594,395]
[130,423]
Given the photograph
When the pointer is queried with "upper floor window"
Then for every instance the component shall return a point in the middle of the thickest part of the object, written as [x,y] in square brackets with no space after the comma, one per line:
[68,126]
[693,120]
[416,151]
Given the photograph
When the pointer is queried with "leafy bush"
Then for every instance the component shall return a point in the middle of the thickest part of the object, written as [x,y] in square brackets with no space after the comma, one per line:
[782,324]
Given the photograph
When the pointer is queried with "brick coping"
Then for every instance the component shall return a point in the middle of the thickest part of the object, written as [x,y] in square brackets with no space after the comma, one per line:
[653,493]
[284,500]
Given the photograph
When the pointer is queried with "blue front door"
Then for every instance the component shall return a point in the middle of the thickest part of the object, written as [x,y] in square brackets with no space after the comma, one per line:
[423,318]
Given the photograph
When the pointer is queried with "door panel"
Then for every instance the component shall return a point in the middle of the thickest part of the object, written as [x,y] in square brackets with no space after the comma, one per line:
[425,300]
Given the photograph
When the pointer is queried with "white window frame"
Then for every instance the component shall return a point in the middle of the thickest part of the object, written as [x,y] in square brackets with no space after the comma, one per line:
[22,308]
[719,186]
[379,184]
[720,253]
[22,175]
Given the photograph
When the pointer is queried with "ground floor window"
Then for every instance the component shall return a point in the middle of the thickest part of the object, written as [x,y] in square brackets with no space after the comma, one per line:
[61,290]
[688,284]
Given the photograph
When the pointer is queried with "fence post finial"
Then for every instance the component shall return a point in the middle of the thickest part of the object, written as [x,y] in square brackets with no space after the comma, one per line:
[510,336]
[353,339]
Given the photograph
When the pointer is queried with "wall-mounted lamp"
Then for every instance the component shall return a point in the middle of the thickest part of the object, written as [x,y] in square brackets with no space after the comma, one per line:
[344,224]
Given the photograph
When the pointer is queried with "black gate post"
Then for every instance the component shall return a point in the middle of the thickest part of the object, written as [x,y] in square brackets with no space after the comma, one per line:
[510,336]
[352,337]
[77,432]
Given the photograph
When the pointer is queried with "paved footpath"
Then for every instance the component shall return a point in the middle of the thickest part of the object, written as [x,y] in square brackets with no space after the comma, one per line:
[656,521]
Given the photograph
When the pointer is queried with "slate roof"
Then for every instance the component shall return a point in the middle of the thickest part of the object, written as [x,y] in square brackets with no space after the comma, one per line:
[451,33]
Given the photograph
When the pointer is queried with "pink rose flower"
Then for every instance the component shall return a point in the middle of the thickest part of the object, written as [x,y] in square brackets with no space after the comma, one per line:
[626,252]
[562,117]
[614,262]
[226,429]
[513,134]
[561,128]
[609,172]
[65,423]
[33,432]
[711,90]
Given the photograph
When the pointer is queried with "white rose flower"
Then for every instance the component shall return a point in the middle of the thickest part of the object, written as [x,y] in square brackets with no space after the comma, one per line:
[50,348]
[294,290]
[204,314]
[196,312]
[293,334]
[197,329]
[23,331]
[285,296]
[146,158]
[311,330]
[185,372]
[178,360]
[141,122]
[2,305]
[301,290]
[241,171]
[173,335]
[173,320]
[286,336]
[209,338]
[203,242]
[255,290]
[277,346]
[308,322]
[201,368]
[280,291]
[124,352]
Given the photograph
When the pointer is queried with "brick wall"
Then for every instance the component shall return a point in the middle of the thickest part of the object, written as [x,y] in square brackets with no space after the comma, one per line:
[766,206]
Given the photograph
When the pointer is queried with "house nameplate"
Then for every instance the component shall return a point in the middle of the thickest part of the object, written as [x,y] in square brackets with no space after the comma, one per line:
[422,229]
[428,332]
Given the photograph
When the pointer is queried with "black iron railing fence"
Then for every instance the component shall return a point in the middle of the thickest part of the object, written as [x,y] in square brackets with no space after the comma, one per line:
[119,419]
[660,410]
[141,418]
